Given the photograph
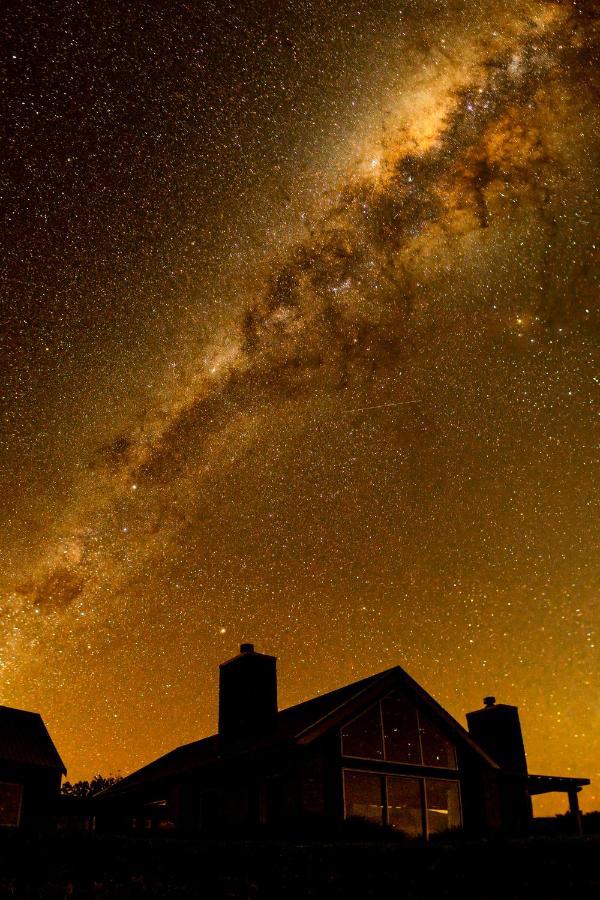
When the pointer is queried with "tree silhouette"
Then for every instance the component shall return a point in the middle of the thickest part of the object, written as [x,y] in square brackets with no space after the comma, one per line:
[85,789]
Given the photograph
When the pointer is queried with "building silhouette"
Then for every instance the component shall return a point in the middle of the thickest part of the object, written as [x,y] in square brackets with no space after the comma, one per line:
[380,749]
[30,771]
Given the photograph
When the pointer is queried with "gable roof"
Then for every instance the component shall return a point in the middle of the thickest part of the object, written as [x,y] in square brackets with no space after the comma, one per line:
[299,724]
[24,740]
[377,686]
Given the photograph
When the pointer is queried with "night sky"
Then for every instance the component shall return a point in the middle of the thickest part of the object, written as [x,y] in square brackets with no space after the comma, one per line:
[299,333]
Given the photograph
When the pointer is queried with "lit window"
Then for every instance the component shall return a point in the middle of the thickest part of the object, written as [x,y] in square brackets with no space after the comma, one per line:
[10,803]
[443,805]
[363,796]
[362,737]
[437,749]
[401,730]
[404,805]
[402,802]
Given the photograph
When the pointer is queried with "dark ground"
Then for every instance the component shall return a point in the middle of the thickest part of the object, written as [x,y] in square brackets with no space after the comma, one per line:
[96,866]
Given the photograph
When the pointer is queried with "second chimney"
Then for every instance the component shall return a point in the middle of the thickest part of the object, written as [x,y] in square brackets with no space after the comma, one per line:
[497,729]
[247,695]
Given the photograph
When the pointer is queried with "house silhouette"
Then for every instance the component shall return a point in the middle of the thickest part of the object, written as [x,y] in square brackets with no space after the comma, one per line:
[30,770]
[380,749]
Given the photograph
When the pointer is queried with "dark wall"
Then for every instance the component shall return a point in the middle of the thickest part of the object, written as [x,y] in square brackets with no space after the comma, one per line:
[480,794]
[281,790]
[278,790]
[41,790]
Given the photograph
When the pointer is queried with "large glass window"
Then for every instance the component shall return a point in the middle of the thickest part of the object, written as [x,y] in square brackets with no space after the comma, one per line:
[362,737]
[396,731]
[363,797]
[405,806]
[10,803]
[400,729]
[443,805]
[437,749]
[402,802]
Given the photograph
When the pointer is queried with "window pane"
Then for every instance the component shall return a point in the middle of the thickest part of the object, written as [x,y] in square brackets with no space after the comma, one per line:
[362,737]
[401,730]
[437,749]
[404,805]
[362,796]
[443,805]
[10,803]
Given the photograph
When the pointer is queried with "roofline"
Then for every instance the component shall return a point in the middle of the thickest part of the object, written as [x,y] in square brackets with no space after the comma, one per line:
[125,782]
[344,703]
[454,723]
[315,729]
[28,712]
[305,737]
[573,778]
[62,766]
[59,767]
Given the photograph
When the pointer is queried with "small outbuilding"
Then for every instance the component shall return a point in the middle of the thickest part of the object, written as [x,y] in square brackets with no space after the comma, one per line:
[380,750]
[30,770]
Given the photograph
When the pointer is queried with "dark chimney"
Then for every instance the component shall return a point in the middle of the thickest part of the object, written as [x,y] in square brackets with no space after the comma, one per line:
[247,694]
[497,729]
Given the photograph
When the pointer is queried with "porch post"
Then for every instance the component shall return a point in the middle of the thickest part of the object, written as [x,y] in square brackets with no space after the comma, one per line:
[574,809]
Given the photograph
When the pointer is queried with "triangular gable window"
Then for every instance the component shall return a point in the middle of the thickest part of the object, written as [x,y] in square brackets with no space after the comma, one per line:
[436,748]
[400,729]
[395,730]
[362,737]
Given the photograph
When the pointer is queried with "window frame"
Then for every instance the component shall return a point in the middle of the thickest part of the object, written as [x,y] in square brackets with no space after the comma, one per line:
[354,719]
[421,764]
[426,802]
[422,800]
[422,779]
[382,792]
[21,787]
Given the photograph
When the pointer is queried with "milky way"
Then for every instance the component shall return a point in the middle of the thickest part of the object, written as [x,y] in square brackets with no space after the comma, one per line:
[357,427]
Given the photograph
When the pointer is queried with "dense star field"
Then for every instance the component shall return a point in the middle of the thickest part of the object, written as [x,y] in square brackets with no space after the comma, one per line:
[299,346]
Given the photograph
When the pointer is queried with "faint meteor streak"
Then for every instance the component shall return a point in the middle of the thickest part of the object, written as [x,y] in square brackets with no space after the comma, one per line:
[380,406]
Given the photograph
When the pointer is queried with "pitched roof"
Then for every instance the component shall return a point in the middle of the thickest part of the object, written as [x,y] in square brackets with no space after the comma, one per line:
[342,702]
[290,723]
[301,723]
[295,720]
[183,759]
[24,739]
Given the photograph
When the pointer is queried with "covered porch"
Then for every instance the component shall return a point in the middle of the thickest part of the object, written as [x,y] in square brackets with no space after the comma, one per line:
[549,784]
